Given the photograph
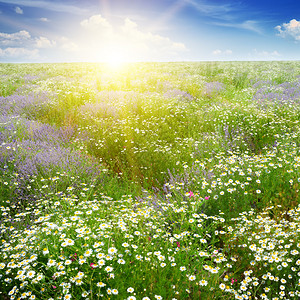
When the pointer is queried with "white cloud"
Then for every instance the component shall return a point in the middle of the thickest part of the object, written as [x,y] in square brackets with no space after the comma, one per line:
[48,5]
[131,31]
[19,53]
[67,45]
[43,42]
[291,29]
[268,55]
[23,39]
[250,25]
[273,53]
[18,38]
[19,10]
[220,52]
[217,52]
[17,45]
[97,25]
[102,37]
[97,39]
[44,19]
[213,10]
[15,36]
[22,45]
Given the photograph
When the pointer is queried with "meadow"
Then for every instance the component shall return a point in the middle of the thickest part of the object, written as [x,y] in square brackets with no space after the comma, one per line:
[151,181]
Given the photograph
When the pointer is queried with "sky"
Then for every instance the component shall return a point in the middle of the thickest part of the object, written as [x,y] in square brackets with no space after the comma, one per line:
[148,30]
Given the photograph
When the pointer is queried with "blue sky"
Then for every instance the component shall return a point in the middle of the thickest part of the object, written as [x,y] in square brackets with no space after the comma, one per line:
[152,30]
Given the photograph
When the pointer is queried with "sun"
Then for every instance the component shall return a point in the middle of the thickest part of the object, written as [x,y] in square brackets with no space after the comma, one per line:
[115,59]
[114,56]
[118,54]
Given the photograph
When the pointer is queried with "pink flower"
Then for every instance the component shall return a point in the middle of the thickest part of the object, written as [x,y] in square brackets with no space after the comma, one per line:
[73,258]
[178,244]
[92,265]
[54,286]
[191,194]
[206,197]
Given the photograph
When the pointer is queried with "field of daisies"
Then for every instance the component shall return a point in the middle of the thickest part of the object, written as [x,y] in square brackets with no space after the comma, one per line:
[153,181]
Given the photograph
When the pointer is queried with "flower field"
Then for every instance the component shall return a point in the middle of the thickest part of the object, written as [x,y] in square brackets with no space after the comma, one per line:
[154,181]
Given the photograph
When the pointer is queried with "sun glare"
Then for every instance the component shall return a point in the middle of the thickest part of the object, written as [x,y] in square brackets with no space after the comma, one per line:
[118,54]
[115,59]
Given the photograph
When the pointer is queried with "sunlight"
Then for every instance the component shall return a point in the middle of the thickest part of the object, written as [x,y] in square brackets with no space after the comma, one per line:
[116,55]
[115,59]
[119,53]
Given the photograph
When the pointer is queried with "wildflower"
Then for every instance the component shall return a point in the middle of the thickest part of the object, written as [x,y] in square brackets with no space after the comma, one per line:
[115,291]
[108,269]
[88,252]
[93,265]
[30,274]
[243,288]
[45,251]
[74,257]
[282,287]
[121,261]
[67,242]
[101,284]
[60,266]
[192,278]
[78,282]
[112,250]
[203,282]
[84,294]
[101,262]
[100,255]
[233,280]
[51,262]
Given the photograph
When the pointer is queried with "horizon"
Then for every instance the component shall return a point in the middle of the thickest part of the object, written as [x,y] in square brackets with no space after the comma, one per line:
[153,62]
[118,32]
